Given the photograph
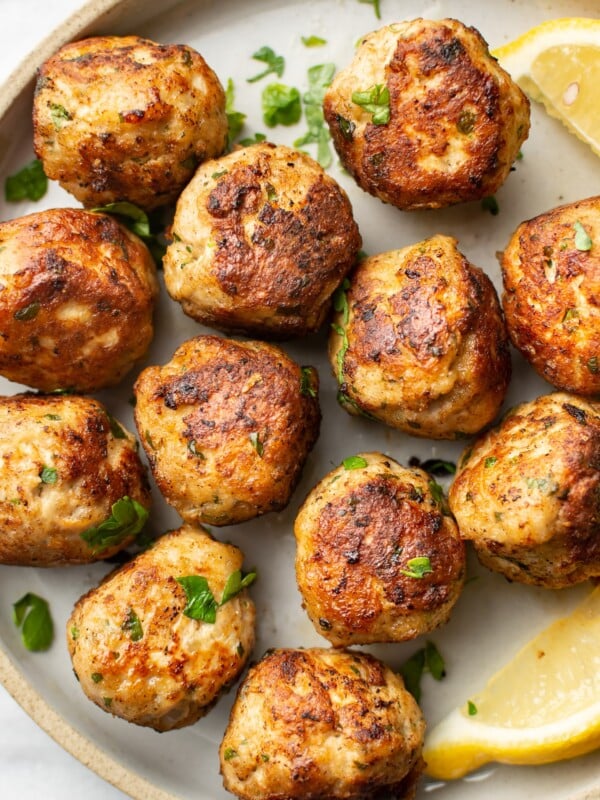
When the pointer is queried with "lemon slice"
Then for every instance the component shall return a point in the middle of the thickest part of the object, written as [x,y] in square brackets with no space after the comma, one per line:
[543,706]
[558,63]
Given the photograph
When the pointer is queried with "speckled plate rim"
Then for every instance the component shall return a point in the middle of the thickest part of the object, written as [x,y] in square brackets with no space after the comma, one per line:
[92,16]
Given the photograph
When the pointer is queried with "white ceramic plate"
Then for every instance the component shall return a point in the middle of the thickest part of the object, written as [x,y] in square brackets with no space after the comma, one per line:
[492,619]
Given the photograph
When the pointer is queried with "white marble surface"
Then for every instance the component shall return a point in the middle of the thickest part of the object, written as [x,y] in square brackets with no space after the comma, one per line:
[32,765]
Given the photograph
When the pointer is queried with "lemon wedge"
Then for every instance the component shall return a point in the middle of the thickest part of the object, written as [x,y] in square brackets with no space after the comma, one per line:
[558,63]
[543,706]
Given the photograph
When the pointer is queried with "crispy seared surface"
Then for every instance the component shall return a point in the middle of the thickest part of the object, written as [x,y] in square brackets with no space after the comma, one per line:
[262,237]
[227,428]
[41,521]
[457,120]
[427,347]
[552,295]
[77,299]
[169,671]
[355,534]
[528,493]
[322,725]
[123,118]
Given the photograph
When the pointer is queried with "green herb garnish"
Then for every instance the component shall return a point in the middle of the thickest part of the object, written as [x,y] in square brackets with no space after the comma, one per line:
[354,462]
[137,221]
[280,105]
[375,101]
[466,122]
[427,659]
[48,475]
[256,139]
[32,614]
[229,753]
[256,443]
[236,582]
[490,204]
[592,365]
[97,677]
[319,78]
[59,115]
[127,518]
[417,567]
[29,183]
[582,238]
[133,626]
[306,387]
[375,4]
[489,462]
[235,119]
[313,41]
[275,64]
[471,708]
[28,312]
[116,428]
[340,305]
[201,603]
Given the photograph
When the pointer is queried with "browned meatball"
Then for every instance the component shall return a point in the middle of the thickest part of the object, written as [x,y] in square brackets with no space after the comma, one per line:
[142,650]
[551,271]
[419,342]
[123,118]
[77,299]
[67,468]
[424,116]
[527,494]
[322,725]
[227,427]
[262,237]
[378,558]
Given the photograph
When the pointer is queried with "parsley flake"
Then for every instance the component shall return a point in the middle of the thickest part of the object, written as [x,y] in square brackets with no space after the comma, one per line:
[29,183]
[354,462]
[235,119]
[230,753]
[376,6]
[417,567]
[59,115]
[490,204]
[32,614]
[137,221]
[319,78]
[133,626]
[275,64]
[489,462]
[256,443]
[48,475]
[306,387]
[471,708]
[583,241]
[281,105]
[427,659]
[201,603]
[27,313]
[236,583]
[375,101]
[313,41]
[127,518]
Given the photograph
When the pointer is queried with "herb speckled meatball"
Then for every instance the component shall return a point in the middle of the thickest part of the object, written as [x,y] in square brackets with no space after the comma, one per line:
[527,494]
[322,725]
[227,427]
[262,238]
[424,116]
[124,118]
[65,464]
[140,649]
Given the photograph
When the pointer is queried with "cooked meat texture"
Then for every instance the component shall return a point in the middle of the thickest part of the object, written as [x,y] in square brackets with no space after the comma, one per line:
[528,493]
[262,238]
[123,118]
[551,271]
[77,293]
[358,535]
[227,427]
[321,725]
[420,342]
[136,652]
[65,462]
[456,119]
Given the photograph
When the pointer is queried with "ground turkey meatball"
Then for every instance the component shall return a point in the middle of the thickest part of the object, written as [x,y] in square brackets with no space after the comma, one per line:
[123,118]
[419,342]
[551,271]
[322,725]
[262,237]
[227,427]
[528,493]
[77,294]
[159,640]
[378,558]
[68,469]
[424,117]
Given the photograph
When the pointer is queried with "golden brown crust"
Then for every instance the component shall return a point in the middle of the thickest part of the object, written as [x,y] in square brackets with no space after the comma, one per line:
[43,515]
[528,493]
[76,302]
[427,350]
[322,725]
[262,237]
[166,670]
[123,118]
[456,124]
[227,427]
[356,534]
[551,295]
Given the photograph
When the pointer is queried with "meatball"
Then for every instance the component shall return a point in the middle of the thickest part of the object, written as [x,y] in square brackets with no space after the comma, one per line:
[159,640]
[419,342]
[378,558]
[123,118]
[551,271]
[227,427]
[262,237]
[321,725]
[527,494]
[72,487]
[424,117]
[76,301]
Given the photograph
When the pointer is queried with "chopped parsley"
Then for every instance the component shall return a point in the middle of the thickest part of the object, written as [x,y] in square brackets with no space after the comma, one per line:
[306,387]
[375,101]
[256,443]
[434,466]
[116,428]
[230,753]
[32,614]
[48,475]
[417,567]
[97,677]
[27,313]
[201,603]
[133,626]
[354,462]
[59,115]
[235,119]
[489,462]
[427,659]
[340,305]
[471,708]
[281,105]
[313,41]
[258,137]
[466,122]
[490,204]
[376,6]
[319,78]
[137,221]
[592,365]
[236,582]
[582,238]
[127,518]
[29,183]
[275,64]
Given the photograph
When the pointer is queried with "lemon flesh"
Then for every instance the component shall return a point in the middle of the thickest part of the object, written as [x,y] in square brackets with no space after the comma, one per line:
[543,706]
[558,63]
